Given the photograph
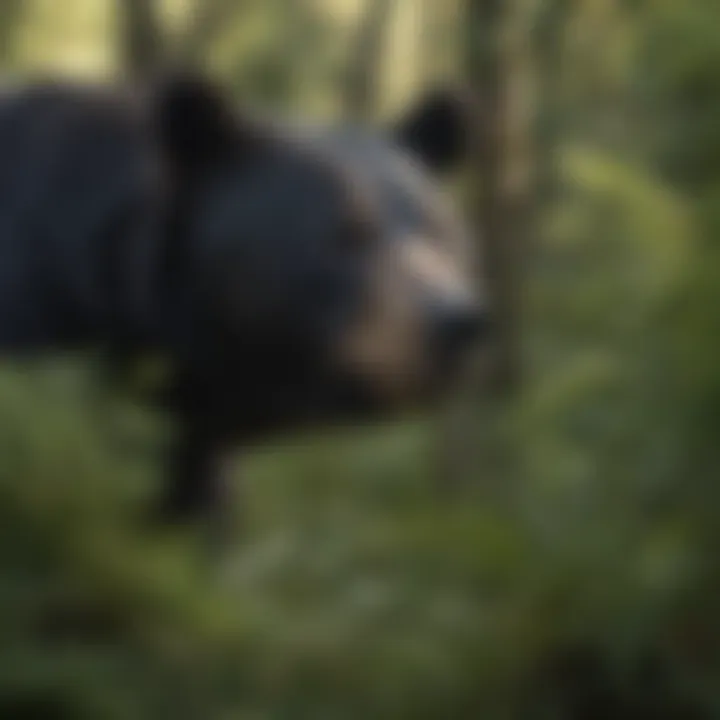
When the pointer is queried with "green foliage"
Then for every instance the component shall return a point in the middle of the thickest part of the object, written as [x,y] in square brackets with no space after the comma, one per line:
[361,588]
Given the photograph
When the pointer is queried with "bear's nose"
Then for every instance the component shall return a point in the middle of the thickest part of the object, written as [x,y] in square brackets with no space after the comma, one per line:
[457,328]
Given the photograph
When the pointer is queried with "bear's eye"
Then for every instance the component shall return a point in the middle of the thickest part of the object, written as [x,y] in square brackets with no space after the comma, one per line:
[358,233]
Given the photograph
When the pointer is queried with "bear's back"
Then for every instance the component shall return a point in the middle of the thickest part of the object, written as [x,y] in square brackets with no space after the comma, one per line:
[75,167]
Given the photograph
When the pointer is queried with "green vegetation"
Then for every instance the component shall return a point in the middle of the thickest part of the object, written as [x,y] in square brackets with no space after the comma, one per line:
[579,581]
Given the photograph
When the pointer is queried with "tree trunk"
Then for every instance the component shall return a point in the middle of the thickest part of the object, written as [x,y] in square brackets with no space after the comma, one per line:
[208,19]
[468,436]
[142,41]
[548,55]
[441,24]
[11,15]
[497,197]
[364,74]
[477,441]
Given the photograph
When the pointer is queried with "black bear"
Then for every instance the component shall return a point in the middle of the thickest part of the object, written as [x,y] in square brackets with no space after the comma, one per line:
[292,275]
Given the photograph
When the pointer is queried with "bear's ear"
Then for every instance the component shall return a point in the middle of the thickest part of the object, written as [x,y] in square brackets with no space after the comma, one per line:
[438,129]
[194,122]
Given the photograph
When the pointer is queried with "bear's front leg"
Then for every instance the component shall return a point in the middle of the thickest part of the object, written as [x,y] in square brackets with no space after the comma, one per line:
[197,480]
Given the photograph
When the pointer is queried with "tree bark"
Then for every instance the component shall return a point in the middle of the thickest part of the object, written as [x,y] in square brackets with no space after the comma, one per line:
[549,46]
[11,15]
[362,82]
[496,199]
[207,19]
[468,435]
[477,440]
[142,41]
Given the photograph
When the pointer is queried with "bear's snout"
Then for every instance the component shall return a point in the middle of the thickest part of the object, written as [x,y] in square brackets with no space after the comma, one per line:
[455,330]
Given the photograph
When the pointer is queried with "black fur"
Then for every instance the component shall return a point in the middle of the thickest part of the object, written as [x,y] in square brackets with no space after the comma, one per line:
[439,130]
[168,222]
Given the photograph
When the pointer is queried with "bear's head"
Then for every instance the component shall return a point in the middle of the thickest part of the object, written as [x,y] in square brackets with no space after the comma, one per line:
[332,273]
